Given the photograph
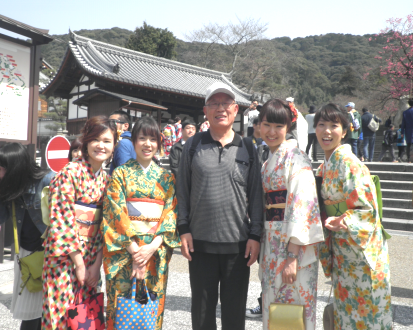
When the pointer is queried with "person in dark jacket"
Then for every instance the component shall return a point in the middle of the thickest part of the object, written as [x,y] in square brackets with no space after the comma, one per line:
[21,184]
[369,136]
[390,137]
[407,128]
[188,130]
[124,150]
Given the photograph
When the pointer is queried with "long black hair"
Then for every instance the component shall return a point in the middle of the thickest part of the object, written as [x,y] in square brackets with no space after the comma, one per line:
[21,171]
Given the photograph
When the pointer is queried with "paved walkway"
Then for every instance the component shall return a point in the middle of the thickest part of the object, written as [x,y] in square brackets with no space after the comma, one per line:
[178,302]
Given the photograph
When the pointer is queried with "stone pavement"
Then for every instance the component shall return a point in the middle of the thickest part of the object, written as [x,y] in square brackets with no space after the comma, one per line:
[178,302]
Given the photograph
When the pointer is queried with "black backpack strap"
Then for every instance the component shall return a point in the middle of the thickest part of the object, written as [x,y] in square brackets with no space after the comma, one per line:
[195,141]
[250,149]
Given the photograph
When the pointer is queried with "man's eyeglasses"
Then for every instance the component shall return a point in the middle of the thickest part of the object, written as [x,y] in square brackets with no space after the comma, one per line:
[117,121]
[225,105]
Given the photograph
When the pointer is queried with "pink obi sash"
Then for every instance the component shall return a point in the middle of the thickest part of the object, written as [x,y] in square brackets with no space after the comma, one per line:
[144,213]
[88,218]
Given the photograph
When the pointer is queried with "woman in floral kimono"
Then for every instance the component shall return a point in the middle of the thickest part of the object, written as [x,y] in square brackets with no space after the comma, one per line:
[73,245]
[139,223]
[178,128]
[169,133]
[289,250]
[355,253]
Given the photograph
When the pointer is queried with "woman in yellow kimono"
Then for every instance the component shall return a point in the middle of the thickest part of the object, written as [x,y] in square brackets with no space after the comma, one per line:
[139,222]
[355,253]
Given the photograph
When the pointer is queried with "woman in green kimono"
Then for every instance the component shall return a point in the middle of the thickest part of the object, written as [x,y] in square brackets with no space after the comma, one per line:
[355,253]
[139,222]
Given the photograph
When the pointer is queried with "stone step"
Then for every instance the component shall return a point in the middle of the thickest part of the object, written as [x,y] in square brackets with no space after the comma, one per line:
[397,224]
[392,175]
[396,185]
[397,203]
[396,194]
[398,213]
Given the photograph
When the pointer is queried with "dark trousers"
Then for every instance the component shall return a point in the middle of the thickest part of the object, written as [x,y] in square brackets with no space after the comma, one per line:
[408,151]
[229,273]
[31,324]
[369,143]
[250,131]
[402,150]
[312,140]
[360,149]
[384,149]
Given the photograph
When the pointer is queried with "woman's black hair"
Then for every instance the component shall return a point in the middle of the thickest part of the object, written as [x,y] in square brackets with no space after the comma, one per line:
[21,171]
[177,119]
[277,111]
[76,144]
[149,127]
[171,121]
[333,113]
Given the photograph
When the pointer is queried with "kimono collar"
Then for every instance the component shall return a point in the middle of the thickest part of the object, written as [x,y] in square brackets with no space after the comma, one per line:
[345,148]
[89,167]
[145,170]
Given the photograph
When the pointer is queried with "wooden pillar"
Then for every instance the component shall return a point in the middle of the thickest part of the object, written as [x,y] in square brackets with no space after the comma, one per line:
[159,118]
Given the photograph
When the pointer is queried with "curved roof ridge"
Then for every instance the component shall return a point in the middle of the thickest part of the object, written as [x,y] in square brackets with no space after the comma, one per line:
[101,60]
[148,56]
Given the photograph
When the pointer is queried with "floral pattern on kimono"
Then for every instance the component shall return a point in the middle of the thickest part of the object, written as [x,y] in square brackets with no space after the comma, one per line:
[130,181]
[178,131]
[75,182]
[290,169]
[356,258]
[170,138]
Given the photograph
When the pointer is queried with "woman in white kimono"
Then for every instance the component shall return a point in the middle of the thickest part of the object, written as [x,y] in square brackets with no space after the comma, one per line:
[289,250]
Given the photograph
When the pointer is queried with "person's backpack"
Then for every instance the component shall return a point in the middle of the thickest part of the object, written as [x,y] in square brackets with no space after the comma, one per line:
[389,137]
[198,136]
[373,125]
[355,122]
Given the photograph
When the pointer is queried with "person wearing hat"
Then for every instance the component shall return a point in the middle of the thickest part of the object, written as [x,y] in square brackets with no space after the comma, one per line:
[312,139]
[220,214]
[355,127]
[301,130]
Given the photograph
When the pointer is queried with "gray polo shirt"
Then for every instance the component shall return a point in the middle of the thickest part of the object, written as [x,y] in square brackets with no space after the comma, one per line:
[220,199]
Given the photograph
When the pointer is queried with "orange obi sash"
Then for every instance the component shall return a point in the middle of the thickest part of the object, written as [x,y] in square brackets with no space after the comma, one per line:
[88,218]
[145,214]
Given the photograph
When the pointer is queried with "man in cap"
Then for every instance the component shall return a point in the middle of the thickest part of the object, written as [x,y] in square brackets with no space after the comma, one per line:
[300,133]
[188,130]
[220,213]
[252,113]
[355,127]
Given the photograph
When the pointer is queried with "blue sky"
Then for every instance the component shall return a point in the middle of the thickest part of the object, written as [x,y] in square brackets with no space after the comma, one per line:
[291,18]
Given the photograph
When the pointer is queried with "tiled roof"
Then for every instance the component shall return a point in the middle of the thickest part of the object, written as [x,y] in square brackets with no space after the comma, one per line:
[140,69]
[41,35]
[89,95]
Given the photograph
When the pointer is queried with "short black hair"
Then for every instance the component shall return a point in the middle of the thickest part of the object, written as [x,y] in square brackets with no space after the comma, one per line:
[149,127]
[188,122]
[171,121]
[124,116]
[332,113]
[76,144]
[177,119]
[276,111]
[255,121]
[410,102]
[365,110]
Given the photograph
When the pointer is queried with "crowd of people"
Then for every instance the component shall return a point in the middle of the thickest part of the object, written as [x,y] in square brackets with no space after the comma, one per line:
[211,206]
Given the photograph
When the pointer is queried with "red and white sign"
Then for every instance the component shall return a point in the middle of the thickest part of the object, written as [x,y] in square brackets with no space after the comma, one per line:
[57,152]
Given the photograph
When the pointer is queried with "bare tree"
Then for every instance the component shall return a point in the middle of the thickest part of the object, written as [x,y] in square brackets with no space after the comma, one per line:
[236,36]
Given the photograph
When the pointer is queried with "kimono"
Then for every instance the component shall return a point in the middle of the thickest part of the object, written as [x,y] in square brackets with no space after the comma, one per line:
[204,127]
[357,258]
[170,138]
[76,183]
[138,207]
[292,214]
[178,131]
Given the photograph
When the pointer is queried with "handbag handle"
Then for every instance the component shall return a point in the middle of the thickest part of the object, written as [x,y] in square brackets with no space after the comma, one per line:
[16,237]
[134,288]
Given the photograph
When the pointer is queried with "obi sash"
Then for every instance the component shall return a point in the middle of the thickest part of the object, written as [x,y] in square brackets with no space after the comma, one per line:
[275,202]
[88,218]
[337,208]
[145,214]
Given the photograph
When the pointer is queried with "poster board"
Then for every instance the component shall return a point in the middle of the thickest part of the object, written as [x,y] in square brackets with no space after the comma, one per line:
[14,90]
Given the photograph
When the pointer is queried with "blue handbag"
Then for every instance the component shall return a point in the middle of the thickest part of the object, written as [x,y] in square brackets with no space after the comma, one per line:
[135,315]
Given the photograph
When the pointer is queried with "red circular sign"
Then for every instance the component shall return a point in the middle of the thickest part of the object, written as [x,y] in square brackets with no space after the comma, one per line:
[57,152]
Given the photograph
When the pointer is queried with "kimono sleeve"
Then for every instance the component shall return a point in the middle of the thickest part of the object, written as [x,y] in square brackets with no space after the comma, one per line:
[167,228]
[302,211]
[62,237]
[116,224]
[360,194]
